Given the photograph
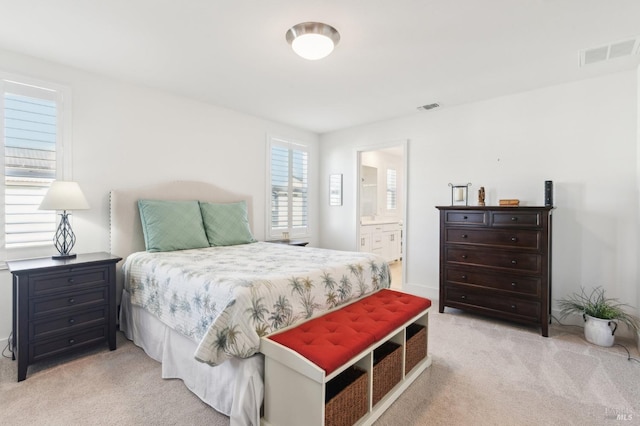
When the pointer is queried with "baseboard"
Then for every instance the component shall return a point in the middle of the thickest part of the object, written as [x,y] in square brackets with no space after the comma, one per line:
[431,293]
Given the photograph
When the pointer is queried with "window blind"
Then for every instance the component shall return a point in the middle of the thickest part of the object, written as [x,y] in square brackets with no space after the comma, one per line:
[30,133]
[391,189]
[288,189]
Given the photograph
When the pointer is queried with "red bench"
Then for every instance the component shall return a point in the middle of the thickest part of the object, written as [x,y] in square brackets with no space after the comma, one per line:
[331,340]
[356,359]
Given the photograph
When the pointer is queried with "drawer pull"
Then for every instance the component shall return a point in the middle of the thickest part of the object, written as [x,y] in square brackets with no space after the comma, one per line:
[72,301]
[72,341]
[514,239]
[72,321]
[464,256]
[514,307]
[464,277]
[514,219]
[465,217]
[514,262]
[463,297]
[464,235]
[514,284]
[70,280]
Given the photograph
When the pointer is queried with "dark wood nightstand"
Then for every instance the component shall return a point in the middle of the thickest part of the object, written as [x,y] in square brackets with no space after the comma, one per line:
[298,243]
[62,306]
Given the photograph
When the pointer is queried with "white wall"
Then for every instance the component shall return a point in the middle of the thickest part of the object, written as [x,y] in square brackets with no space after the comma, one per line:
[581,135]
[127,136]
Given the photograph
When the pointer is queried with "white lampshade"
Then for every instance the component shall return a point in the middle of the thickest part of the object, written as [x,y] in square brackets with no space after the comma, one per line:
[313,40]
[64,195]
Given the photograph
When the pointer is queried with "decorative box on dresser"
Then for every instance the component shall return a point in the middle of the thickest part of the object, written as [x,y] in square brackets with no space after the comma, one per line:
[62,306]
[497,261]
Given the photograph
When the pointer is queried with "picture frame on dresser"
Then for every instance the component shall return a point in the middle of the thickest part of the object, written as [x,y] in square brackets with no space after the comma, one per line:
[496,261]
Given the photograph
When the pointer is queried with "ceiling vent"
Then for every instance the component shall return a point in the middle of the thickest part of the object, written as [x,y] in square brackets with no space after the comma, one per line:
[610,51]
[428,107]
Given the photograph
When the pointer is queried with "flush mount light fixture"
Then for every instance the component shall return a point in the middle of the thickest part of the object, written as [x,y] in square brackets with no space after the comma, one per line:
[313,40]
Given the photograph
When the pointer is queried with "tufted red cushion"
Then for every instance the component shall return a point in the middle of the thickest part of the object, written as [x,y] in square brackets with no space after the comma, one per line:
[331,340]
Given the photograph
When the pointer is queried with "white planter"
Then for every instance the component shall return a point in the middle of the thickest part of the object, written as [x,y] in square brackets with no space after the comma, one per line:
[599,331]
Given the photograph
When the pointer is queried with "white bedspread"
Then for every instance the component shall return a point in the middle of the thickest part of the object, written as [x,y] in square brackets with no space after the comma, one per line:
[226,298]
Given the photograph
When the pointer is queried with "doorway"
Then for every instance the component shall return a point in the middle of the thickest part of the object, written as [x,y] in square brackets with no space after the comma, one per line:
[381,213]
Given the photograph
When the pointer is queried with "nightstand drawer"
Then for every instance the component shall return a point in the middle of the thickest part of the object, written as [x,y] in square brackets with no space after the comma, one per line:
[495,259]
[74,279]
[66,302]
[524,239]
[45,327]
[66,343]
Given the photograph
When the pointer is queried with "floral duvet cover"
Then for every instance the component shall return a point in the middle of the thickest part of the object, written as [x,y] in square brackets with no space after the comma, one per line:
[226,298]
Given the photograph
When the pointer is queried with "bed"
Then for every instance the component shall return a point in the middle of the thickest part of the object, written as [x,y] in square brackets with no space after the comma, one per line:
[201,311]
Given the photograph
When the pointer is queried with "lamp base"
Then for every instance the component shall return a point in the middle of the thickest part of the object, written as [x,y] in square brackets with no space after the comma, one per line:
[63,256]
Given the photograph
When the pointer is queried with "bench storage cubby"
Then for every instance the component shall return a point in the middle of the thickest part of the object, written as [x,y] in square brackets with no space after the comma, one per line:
[347,366]
[346,397]
[416,346]
[387,369]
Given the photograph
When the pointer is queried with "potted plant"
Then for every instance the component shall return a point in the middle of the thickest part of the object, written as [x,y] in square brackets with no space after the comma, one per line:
[601,315]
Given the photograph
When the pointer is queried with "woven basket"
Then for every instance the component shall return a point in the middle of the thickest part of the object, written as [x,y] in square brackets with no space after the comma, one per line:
[416,346]
[387,369]
[346,399]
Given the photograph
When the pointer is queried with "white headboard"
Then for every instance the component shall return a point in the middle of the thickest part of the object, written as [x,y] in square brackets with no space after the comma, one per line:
[125,228]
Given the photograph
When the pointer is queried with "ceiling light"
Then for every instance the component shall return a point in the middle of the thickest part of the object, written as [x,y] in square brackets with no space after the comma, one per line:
[313,40]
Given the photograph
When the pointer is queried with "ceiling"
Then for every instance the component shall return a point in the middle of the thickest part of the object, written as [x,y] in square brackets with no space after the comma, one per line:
[393,55]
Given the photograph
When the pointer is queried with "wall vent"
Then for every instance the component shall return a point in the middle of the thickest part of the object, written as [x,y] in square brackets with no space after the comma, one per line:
[428,107]
[607,52]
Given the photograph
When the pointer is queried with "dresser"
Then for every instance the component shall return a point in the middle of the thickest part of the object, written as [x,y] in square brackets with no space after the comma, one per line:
[62,306]
[497,261]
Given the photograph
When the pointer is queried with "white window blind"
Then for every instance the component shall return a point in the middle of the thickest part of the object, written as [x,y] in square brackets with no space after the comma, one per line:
[30,131]
[392,202]
[288,190]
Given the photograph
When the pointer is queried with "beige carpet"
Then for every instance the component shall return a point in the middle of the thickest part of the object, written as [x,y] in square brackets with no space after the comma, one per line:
[484,372]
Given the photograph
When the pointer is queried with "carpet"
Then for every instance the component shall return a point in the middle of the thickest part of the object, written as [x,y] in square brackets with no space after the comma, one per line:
[484,372]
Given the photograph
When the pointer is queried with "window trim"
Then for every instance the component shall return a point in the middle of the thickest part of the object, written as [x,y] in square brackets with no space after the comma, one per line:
[289,143]
[64,149]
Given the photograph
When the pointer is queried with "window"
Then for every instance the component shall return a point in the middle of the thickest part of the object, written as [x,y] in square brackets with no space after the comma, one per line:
[288,189]
[392,201]
[31,117]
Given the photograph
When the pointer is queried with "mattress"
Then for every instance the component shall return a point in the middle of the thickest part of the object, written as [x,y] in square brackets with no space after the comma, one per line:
[225,298]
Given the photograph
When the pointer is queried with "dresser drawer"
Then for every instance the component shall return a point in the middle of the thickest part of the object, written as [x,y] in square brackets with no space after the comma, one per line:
[459,296]
[513,283]
[68,302]
[461,217]
[73,279]
[66,343]
[517,261]
[45,327]
[509,219]
[525,239]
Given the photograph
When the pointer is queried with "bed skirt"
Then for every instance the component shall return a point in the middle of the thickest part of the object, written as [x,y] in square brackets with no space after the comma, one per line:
[234,388]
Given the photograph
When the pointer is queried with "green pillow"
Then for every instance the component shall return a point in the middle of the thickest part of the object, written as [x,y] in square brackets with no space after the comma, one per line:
[226,224]
[172,225]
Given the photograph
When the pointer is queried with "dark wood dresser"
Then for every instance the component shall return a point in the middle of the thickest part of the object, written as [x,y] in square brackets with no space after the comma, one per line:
[497,261]
[62,306]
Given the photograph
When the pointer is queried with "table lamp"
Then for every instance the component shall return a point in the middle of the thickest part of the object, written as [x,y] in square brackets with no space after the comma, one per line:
[65,196]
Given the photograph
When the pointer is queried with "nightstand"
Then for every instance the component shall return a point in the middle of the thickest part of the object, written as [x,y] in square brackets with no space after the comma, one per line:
[298,243]
[62,306]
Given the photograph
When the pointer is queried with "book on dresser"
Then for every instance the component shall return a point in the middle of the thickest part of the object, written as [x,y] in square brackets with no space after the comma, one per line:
[496,261]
